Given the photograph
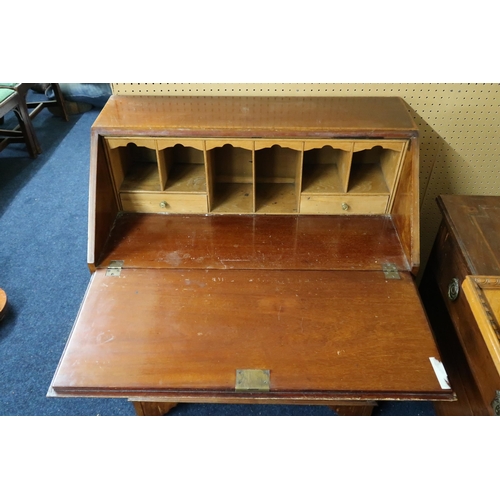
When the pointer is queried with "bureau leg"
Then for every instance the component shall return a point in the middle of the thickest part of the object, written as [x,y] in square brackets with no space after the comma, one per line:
[152,409]
[353,411]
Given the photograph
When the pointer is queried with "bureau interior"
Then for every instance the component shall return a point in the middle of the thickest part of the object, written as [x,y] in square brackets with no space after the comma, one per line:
[231,173]
[326,169]
[280,177]
[277,179]
[373,170]
[135,168]
[182,169]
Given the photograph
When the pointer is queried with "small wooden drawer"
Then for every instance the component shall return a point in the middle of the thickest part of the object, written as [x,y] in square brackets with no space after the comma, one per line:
[164,203]
[343,204]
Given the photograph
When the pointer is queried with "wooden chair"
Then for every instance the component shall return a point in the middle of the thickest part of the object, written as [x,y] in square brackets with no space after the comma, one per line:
[13,97]
[10,100]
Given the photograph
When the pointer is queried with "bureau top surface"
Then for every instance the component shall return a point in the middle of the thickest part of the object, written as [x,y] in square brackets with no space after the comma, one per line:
[475,223]
[217,116]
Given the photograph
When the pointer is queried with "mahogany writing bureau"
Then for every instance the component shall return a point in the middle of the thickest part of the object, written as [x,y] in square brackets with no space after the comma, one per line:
[253,249]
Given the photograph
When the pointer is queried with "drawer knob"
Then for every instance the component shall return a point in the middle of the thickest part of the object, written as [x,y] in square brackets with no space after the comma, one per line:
[163,204]
[345,206]
[453,289]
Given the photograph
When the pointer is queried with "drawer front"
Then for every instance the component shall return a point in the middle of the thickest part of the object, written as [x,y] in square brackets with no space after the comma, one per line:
[450,266]
[164,203]
[343,204]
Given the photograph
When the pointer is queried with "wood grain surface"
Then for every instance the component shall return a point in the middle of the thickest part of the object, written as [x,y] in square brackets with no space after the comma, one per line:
[206,116]
[340,333]
[467,243]
[483,296]
[254,242]
[103,207]
[203,295]
[475,222]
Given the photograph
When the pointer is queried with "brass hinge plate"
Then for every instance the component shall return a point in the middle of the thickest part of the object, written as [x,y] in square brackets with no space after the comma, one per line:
[390,272]
[253,380]
[114,268]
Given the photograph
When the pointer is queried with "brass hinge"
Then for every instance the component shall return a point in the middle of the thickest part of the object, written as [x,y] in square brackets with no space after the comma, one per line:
[390,271]
[252,380]
[114,268]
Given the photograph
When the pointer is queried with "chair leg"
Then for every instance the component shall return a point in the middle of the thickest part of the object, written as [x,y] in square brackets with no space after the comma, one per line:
[60,100]
[27,130]
[24,118]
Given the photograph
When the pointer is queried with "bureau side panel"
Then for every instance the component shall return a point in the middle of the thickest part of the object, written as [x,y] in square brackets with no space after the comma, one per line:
[103,208]
[405,209]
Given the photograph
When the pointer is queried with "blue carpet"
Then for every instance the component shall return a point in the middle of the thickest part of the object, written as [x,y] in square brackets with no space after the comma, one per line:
[43,244]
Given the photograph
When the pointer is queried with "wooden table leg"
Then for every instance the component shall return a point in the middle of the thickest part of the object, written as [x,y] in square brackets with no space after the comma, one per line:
[152,409]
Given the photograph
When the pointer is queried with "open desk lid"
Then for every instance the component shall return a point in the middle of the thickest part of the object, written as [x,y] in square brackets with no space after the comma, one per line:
[198,333]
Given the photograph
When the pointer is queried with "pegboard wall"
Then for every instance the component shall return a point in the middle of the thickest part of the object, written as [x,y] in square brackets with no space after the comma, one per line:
[459,131]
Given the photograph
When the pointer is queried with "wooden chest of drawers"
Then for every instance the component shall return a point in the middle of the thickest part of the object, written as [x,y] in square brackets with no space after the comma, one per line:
[253,250]
[467,245]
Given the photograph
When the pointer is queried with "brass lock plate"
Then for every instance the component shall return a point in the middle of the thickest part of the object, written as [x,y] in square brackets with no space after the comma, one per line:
[253,380]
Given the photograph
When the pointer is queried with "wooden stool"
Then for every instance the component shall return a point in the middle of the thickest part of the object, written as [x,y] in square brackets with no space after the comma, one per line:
[3,304]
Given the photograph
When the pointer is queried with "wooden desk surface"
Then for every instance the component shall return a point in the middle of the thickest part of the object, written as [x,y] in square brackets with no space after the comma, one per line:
[338,334]
[212,116]
[312,242]
[200,297]
[475,224]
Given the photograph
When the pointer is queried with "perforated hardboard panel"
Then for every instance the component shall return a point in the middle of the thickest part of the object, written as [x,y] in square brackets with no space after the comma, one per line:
[459,130]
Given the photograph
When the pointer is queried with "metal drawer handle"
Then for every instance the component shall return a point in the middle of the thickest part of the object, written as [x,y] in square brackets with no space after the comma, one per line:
[163,204]
[453,289]
[345,206]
